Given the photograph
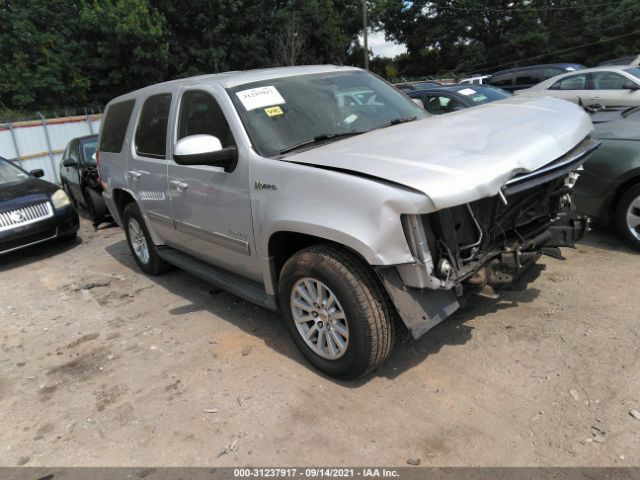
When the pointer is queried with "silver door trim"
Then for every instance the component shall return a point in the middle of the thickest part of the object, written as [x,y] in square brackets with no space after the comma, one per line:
[221,239]
[158,217]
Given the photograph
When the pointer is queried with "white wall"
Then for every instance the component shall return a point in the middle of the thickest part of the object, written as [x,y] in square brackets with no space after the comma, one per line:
[32,150]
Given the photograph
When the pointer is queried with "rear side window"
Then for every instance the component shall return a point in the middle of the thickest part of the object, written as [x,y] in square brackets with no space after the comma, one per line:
[501,80]
[115,125]
[528,77]
[151,134]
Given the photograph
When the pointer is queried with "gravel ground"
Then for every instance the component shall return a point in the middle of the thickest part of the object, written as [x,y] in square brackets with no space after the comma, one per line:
[102,365]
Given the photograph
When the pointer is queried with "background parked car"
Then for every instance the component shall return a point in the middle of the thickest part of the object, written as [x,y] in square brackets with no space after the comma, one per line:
[451,98]
[526,77]
[605,86]
[32,210]
[625,60]
[609,187]
[411,86]
[79,176]
[477,80]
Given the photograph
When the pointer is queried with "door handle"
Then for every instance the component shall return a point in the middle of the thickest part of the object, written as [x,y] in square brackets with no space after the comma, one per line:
[179,184]
[134,174]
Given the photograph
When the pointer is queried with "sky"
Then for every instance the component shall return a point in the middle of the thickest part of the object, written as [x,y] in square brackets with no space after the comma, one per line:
[381,47]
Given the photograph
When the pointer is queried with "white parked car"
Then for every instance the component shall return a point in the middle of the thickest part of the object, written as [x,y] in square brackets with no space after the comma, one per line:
[479,80]
[611,86]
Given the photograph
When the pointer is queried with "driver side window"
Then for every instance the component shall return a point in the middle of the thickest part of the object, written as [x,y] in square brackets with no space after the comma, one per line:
[200,114]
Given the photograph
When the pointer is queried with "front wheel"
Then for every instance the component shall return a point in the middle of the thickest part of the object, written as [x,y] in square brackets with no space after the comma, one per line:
[336,311]
[627,217]
[142,247]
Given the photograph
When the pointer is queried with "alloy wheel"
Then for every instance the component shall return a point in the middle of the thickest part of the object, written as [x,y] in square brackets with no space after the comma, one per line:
[138,241]
[319,318]
[633,217]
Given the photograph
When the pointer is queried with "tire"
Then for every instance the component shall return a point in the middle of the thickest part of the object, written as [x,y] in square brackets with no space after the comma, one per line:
[359,303]
[142,247]
[95,205]
[626,213]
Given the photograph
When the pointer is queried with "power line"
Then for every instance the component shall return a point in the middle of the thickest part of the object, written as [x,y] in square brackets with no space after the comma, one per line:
[637,32]
[552,52]
[526,9]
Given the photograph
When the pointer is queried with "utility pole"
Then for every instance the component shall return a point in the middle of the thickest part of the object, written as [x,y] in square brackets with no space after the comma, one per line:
[365,27]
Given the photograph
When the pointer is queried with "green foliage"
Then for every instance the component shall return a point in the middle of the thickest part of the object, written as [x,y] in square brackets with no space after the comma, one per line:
[60,53]
[455,36]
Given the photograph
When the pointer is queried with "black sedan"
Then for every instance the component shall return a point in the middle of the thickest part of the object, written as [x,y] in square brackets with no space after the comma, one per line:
[451,98]
[32,210]
[79,176]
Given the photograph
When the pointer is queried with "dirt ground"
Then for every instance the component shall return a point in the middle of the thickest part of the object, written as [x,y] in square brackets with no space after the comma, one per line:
[102,365]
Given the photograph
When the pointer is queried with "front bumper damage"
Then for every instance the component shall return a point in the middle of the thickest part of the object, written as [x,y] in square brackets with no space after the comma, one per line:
[485,244]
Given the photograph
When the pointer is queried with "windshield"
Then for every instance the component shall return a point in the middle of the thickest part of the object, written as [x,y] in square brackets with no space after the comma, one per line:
[479,95]
[89,150]
[635,71]
[280,114]
[10,173]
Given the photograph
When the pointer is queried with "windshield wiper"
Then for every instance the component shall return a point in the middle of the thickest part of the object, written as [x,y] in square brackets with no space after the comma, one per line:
[319,138]
[399,120]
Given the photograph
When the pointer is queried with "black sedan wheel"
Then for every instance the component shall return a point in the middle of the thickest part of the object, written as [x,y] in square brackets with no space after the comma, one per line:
[627,217]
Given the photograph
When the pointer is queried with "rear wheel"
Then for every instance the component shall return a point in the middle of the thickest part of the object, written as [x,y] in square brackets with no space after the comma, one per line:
[95,205]
[336,311]
[627,217]
[142,247]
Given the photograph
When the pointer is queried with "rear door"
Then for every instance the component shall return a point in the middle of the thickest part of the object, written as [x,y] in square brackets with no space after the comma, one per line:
[212,207]
[572,88]
[147,167]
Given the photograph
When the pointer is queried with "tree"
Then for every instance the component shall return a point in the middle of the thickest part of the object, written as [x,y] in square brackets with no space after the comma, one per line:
[122,47]
[38,46]
[291,42]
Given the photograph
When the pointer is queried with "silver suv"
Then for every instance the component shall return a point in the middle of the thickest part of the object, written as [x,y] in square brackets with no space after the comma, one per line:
[325,193]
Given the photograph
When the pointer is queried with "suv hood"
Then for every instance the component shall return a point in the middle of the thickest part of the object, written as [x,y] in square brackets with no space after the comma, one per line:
[464,156]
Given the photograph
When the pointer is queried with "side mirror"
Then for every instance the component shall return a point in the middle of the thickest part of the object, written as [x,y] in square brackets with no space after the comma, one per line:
[38,173]
[205,150]
[69,162]
[632,87]
[418,102]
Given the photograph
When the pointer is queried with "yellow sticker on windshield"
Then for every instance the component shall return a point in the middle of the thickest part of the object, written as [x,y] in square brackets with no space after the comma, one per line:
[273,111]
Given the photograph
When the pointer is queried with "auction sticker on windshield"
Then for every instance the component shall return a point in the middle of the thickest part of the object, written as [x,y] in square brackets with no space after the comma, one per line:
[467,91]
[260,97]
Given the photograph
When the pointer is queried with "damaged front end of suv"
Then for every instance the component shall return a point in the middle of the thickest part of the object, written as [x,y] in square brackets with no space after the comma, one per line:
[487,243]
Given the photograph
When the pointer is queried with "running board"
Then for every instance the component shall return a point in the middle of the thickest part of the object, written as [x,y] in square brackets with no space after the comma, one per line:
[235,284]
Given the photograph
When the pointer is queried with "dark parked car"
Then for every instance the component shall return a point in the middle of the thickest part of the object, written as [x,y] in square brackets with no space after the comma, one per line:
[407,87]
[609,187]
[79,176]
[451,98]
[525,77]
[32,210]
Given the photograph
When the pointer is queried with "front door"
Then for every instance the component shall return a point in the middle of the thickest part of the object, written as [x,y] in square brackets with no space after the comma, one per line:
[211,207]
[147,167]
[607,89]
